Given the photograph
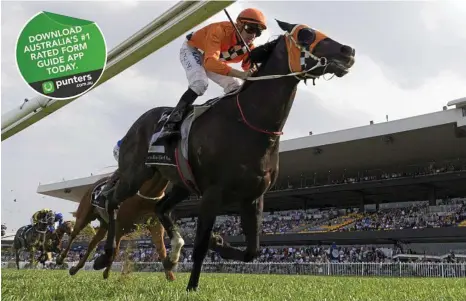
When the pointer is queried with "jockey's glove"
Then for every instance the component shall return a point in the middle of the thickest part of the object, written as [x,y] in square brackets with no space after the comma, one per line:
[241,74]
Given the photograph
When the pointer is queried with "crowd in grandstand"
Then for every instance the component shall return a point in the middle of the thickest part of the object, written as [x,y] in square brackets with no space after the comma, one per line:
[285,254]
[330,178]
[414,215]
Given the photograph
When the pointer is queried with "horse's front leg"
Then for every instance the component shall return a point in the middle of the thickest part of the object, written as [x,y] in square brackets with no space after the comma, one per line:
[119,236]
[210,206]
[17,257]
[251,219]
[32,254]
[80,224]
[92,244]
[43,253]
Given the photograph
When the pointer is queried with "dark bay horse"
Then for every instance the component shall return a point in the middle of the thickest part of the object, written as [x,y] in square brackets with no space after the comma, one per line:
[32,237]
[229,147]
[135,210]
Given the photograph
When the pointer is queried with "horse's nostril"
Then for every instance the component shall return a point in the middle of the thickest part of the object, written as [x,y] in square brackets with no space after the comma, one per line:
[347,51]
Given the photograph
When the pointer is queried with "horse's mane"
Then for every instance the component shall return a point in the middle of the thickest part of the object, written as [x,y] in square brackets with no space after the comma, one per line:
[261,54]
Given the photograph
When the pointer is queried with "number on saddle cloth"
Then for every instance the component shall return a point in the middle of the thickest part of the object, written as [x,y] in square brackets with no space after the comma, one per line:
[96,192]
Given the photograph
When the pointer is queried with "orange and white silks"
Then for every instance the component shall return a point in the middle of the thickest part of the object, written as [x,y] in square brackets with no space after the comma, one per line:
[206,53]
[219,45]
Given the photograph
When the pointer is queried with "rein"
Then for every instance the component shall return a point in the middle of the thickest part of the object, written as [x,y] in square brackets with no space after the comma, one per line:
[321,62]
[250,125]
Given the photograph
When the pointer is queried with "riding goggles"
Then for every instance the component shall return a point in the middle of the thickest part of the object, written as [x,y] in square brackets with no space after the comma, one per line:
[252,29]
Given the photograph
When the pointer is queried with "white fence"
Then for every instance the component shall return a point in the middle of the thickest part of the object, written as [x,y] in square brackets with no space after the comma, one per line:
[317,269]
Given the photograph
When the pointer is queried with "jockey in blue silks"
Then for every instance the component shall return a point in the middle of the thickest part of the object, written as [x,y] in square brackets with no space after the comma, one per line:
[59,219]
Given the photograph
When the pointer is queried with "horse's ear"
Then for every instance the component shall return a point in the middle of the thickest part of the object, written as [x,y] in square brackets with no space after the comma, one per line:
[285,26]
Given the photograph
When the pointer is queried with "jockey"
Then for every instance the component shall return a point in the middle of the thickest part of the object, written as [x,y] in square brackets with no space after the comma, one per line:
[39,215]
[58,219]
[207,52]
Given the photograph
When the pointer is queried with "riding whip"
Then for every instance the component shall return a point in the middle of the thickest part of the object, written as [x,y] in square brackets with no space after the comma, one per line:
[239,34]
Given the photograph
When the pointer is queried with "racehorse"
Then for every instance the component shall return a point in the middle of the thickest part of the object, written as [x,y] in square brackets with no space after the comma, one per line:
[54,239]
[138,207]
[31,237]
[228,149]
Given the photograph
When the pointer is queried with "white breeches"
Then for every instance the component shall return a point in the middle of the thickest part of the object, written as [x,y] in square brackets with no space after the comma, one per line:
[191,60]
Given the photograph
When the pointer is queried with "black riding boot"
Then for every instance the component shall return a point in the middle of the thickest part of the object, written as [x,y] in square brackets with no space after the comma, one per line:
[177,115]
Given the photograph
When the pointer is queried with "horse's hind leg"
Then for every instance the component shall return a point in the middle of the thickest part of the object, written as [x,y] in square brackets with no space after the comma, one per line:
[162,210]
[157,233]
[128,185]
[251,219]
[95,240]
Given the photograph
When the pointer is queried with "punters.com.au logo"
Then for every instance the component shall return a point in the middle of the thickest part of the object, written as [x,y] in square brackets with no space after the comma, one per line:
[48,87]
[83,80]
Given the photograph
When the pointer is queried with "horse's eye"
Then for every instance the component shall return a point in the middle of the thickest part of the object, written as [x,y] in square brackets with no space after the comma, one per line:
[306,37]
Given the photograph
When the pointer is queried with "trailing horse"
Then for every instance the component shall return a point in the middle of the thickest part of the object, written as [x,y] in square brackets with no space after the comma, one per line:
[54,239]
[228,151]
[136,209]
[32,237]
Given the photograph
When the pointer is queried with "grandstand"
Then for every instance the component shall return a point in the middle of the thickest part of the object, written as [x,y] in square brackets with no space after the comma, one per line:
[349,187]
[406,145]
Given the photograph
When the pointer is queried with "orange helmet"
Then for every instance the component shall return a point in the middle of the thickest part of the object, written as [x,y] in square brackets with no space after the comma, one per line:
[252,15]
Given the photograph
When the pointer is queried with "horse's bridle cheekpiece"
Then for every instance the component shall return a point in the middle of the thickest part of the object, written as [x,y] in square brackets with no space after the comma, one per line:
[304,53]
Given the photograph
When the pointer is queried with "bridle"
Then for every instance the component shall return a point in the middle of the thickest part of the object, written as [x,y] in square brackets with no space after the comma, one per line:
[304,73]
[300,75]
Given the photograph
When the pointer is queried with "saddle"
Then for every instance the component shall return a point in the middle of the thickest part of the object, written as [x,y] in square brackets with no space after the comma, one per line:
[22,234]
[174,132]
[25,230]
[169,147]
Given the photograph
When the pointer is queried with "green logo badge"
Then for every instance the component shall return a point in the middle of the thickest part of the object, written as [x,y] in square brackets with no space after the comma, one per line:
[48,87]
[61,57]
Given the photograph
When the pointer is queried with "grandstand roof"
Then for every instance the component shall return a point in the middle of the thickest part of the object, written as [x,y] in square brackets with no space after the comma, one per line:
[458,103]
[415,140]
[8,236]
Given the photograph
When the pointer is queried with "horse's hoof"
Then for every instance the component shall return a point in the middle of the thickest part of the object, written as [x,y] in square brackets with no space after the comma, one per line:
[168,265]
[191,288]
[73,271]
[101,262]
[170,276]
[105,275]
